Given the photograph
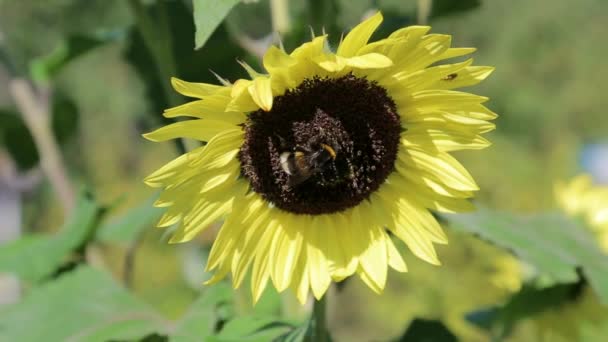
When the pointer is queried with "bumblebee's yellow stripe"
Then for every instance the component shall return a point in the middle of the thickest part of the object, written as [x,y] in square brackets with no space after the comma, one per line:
[330,150]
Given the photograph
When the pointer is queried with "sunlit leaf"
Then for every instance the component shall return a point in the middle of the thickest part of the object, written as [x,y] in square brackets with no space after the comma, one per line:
[553,243]
[253,329]
[205,316]
[83,305]
[129,226]
[207,16]
[35,257]
[72,47]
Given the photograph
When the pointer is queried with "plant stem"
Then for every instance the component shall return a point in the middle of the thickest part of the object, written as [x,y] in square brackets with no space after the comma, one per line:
[319,321]
[34,107]
[424,11]
[280,15]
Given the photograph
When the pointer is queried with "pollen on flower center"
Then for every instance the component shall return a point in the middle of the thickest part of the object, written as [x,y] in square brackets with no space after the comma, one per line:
[349,116]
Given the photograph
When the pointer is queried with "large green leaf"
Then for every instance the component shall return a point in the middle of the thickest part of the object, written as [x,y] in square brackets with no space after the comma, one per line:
[207,16]
[253,329]
[35,257]
[554,243]
[128,227]
[205,316]
[88,305]
[528,302]
[83,305]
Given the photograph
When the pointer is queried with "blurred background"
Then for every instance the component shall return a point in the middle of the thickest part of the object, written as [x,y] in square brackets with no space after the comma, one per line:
[101,84]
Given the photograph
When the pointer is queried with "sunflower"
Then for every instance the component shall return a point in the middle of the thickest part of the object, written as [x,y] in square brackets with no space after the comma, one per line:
[311,164]
[580,197]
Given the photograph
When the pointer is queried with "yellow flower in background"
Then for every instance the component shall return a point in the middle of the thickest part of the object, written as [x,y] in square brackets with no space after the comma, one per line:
[310,163]
[581,197]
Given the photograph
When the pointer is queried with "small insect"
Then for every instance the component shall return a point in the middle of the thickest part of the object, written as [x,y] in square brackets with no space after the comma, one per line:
[450,77]
[301,165]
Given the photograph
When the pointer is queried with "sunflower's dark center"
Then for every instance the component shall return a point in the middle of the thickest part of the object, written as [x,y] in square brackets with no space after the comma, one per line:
[325,146]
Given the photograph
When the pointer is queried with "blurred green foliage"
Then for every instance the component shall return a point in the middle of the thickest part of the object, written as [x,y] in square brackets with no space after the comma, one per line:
[109,73]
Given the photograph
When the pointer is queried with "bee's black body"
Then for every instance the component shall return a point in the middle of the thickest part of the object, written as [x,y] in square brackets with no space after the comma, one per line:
[301,165]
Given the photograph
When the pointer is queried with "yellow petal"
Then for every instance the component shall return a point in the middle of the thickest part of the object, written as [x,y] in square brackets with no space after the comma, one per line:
[429,77]
[250,71]
[261,93]
[444,141]
[443,166]
[275,59]
[231,232]
[318,271]
[374,260]
[395,260]
[414,236]
[467,77]
[430,199]
[456,52]
[169,218]
[261,269]
[218,275]
[191,89]
[212,108]
[431,182]
[241,99]
[203,217]
[429,100]
[228,177]
[174,167]
[331,62]
[301,281]
[369,61]
[359,35]
[287,254]
[308,51]
[202,130]
[342,257]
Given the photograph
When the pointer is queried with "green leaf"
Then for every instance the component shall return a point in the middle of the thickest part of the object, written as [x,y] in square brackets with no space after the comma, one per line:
[253,329]
[528,302]
[270,304]
[554,243]
[72,47]
[205,315]
[449,7]
[423,330]
[128,227]
[83,305]
[207,16]
[36,257]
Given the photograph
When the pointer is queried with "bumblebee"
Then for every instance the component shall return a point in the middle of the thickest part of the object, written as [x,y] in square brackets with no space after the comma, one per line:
[301,165]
